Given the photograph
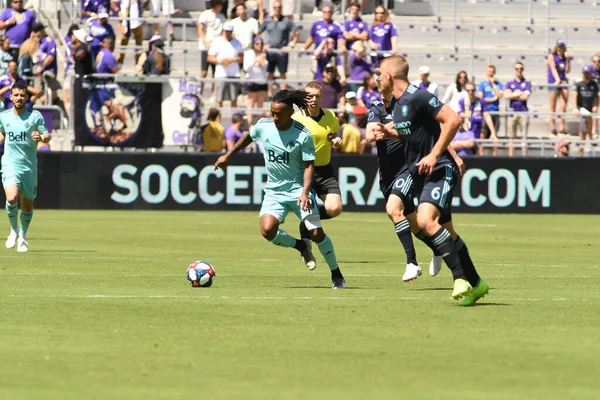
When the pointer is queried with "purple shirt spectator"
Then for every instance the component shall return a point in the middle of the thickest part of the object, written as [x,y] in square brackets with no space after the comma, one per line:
[359,67]
[233,134]
[478,107]
[382,35]
[20,31]
[321,30]
[323,61]
[6,80]
[464,135]
[561,64]
[523,86]
[68,54]
[367,96]
[99,31]
[331,93]
[47,48]
[105,61]
[355,26]
[92,5]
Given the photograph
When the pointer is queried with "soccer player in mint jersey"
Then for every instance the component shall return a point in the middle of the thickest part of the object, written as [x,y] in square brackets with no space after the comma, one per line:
[21,129]
[289,153]
[395,183]
[417,116]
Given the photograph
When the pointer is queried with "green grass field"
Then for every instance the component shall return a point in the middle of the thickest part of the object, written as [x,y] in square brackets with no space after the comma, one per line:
[100,309]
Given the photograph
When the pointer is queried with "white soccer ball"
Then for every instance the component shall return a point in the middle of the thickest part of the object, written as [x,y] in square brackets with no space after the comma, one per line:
[200,274]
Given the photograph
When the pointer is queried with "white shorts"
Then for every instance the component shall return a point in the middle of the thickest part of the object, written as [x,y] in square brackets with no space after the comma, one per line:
[167,7]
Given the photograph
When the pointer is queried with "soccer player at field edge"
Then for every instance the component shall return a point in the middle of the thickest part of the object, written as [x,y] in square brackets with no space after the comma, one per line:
[395,182]
[289,153]
[323,126]
[21,129]
[417,117]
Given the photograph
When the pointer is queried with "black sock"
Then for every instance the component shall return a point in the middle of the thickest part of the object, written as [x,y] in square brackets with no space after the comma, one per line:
[466,262]
[304,232]
[403,232]
[442,240]
[323,213]
[336,274]
[422,236]
[300,245]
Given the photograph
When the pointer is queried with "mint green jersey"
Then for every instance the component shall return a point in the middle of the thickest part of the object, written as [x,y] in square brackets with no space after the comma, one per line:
[285,153]
[20,150]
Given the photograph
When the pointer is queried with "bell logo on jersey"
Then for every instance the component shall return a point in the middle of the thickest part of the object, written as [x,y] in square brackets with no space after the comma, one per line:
[279,158]
[19,137]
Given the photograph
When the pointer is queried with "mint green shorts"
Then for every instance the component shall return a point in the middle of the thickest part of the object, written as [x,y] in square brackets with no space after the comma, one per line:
[25,181]
[280,207]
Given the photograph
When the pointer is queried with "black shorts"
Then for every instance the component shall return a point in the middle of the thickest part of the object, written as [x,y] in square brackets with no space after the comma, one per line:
[496,121]
[438,189]
[257,87]
[204,64]
[325,181]
[401,186]
[279,60]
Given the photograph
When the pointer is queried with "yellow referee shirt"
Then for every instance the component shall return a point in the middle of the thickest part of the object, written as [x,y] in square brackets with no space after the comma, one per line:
[322,131]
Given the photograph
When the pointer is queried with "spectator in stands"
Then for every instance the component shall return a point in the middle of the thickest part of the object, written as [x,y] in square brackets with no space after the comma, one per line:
[227,53]
[559,65]
[17,23]
[287,8]
[349,105]
[350,134]
[585,103]
[331,87]
[475,110]
[99,29]
[424,83]
[596,75]
[355,29]
[456,91]
[390,5]
[90,8]
[517,92]
[156,61]
[213,132]
[106,63]
[382,35]
[244,28]
[490,90]
[69,73]
[368,92]
[27,56]
[82,57]
[210,27]
[562,148]
[326,28]
[5,54]
[46,68]
[279,29]
[326,55]
[6,82]
[464,141]
[233,133]
[133,10]
[255,65]
[168,9]
[360,64]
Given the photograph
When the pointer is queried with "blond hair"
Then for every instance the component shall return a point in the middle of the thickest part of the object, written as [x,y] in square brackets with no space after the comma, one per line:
[397,66]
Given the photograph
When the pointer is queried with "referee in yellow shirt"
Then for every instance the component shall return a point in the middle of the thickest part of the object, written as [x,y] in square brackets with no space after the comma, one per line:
[323,126]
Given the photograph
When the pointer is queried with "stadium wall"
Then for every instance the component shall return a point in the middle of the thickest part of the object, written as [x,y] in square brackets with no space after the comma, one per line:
[184,181]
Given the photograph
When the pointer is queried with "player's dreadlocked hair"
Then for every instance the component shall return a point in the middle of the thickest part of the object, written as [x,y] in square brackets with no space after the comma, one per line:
[291,97]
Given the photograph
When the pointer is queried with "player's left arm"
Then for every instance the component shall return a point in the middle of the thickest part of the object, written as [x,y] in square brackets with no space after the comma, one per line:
[41,134]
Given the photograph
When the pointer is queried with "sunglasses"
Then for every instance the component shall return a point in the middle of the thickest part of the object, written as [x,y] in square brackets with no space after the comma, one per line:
[379,12]
[277,8]
[470,90]
[519,69]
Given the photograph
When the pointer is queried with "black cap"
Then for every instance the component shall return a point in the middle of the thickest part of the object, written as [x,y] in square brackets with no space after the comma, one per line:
[37,27]
[158,43]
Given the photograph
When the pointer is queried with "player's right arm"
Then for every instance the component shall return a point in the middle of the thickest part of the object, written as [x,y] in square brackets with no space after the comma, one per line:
[373,123]
[244,141]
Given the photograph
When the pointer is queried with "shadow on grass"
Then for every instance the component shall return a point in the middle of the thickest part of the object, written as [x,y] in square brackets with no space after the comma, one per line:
[357,262]
[63,251]
[492,304]
[323,287]
[431,289]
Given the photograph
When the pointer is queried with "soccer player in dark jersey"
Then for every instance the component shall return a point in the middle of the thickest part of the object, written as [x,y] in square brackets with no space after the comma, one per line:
[417,115]
[395,182]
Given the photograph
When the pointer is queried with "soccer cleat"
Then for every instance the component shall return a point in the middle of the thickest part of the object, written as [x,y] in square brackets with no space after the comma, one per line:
[435,266]
[307,255]
[11,240]
[339,283]
[477,293]
[461,288]
[23,246]
[412,272]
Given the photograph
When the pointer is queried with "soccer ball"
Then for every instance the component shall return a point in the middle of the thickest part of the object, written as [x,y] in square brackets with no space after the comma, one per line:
[200,274]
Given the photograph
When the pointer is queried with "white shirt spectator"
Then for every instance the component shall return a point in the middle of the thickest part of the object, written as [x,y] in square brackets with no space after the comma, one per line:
[452,96]
[252,68]
[213,26]
[222,49]
[244,31]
